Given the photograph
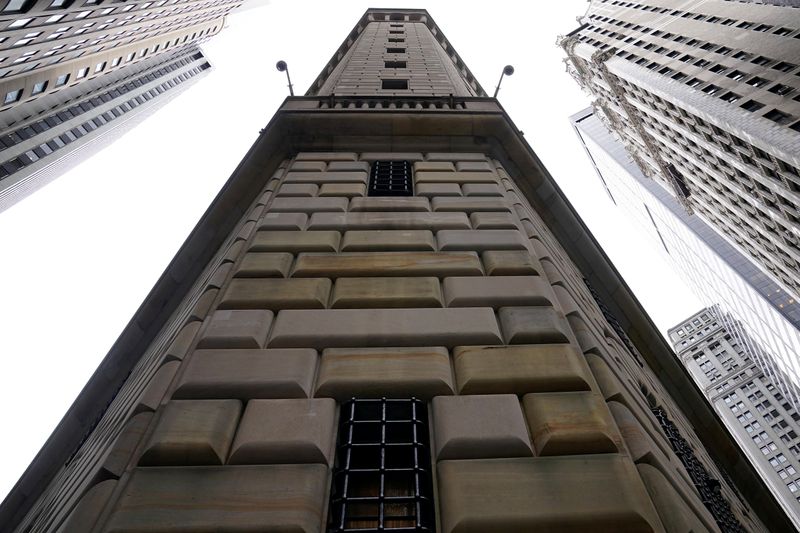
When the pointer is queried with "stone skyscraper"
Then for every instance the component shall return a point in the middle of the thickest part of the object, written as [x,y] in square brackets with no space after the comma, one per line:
[391,319]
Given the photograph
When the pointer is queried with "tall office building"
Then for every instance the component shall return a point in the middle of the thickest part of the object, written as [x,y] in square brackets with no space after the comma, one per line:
[391,319]
[705,95]
[764,318]
[756,412]
[75,75]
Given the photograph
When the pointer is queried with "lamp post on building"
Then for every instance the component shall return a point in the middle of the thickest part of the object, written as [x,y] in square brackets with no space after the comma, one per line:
[508,70]
[283,67]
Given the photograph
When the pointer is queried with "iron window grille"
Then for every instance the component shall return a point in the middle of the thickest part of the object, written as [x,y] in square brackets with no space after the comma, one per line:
[382,474]
[391,178]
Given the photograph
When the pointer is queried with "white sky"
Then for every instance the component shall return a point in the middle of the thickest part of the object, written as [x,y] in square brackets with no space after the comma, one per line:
[80,255]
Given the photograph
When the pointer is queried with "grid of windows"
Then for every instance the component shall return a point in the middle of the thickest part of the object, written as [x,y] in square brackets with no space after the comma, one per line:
[391,178]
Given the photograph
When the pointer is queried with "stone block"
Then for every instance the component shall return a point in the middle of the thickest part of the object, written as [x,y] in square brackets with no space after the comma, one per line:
[531,325]
[237,329]
[157,388]
[334,328]
[482,189]
[479,427]
[470,205]
[388,241]
[193,432]
[179,347]
[220,276]
[326,177]
[204,304]
[283,221]
[345,166]
[308,205]
[298,189]
[493,221]
[326,156]
[275,294]
[391,156]
[481,240]
[438,166]
[570,423]
[397,221]
[86,512]
[510,263]
[497,291]
[405,205]
[264,498]
[539,494]
[349,190]
[121,453]
[285,431]
[428,176]
[386,292]
[422,372]
[246,374]
[673,510]
[474,166]
[456,156]
[308,166]
[520,369]
[296,241]
[388,264]
[438,189]
[265,265]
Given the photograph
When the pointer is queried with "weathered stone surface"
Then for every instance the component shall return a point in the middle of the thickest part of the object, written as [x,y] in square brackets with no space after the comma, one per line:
[335,328]
[570,423]
[296,241]
[439,166]
[220,276]
[538,494]
[183,340]
[482,189]
[422,372]
[265,265]
[674,512]
[474,166]
[298,189]
[237,329]
[204,304]
[283,221]
[85,514]
[326,177]
[193,432]
[470,205]
[454,177]
[275,294]
[530,325]
[343,166]
[387,292]
[388,241]
[307,205]
[478,427]
[520,369]
[263,498]
[492,221]
[308,166]
[326,156]
[154,393]
[246,374]
[388,264]
[402,221]
[404,205]
[343,189]
[480,240]
[285,431]
[510,263]
[497,291]
[121,453]
[438,189]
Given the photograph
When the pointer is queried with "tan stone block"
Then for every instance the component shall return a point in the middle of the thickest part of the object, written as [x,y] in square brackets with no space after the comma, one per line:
[308,166]
[283,221]
[245,231]
[479,427]
[539,494]
[470,205]
[297,189]
[399,204]
[234,252]
[456,156]
[246,374]
[520,369]
[307,205]
[193,432]
[480,240]
[264,498]
[570,423]
[397,221]
[326,156]
[438,189]
[237,329]
[343,189]
[344,166]
[387,292]
[265,265]
[474,166]
[296,241]
[673,511]
[326,177]
[388,241]
[203,305]
[275,294]
[183,340]
[334,328]
[454,177]
[422,372]
[493,221]
[86,512]
[440,166]
[157,388]
[498,291]
[388,264]
[121,453]
[510,263]
[531,325]
[285,431]
[482,189]
[391,156]
[220,276]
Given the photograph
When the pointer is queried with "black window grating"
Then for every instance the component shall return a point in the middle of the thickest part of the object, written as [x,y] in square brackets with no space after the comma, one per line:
[391,178]
[382,475]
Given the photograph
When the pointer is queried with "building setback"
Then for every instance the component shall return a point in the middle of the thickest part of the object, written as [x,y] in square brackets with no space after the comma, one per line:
[705,95]
[758,415]
[390,318]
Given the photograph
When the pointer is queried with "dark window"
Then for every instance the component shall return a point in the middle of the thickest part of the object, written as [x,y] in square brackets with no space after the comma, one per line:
[784,66]
[778,116]
[394,64]
[390,178]
[382,474]
[730,96]
[752,105]
[395,50]
[780,89]
[394,84]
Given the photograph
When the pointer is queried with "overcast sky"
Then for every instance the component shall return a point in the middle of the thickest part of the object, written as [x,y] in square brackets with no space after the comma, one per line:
[80,255]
